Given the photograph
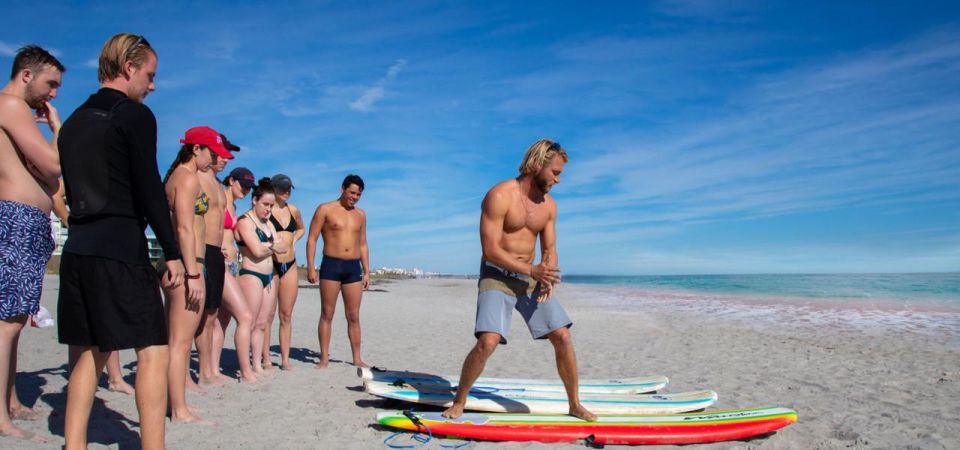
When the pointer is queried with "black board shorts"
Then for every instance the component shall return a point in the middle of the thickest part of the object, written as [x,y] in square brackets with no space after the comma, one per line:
[109,304]
[214,269]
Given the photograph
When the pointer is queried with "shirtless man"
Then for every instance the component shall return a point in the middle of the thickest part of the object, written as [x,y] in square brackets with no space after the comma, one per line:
[514,214]
[29,172]
[345,266]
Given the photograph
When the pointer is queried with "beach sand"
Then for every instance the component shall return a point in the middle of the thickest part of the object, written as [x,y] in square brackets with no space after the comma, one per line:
[857,378]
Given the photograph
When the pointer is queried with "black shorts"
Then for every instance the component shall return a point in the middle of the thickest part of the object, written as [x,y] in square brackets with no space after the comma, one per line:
[214,268]
[110,304]
[345,271]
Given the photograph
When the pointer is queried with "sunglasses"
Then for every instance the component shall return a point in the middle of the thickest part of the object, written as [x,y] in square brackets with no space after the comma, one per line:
[141,41]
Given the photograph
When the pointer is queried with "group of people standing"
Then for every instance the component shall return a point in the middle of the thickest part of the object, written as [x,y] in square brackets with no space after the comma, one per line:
[218,263]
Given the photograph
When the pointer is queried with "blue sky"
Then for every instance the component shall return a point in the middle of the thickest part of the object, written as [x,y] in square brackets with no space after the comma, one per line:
[705,136]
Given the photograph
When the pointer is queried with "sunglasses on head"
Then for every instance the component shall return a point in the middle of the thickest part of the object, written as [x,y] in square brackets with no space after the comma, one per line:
[141,41]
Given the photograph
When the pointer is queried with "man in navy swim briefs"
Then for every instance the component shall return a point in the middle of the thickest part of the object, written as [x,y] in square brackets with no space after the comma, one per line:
[345,267]
[515,213]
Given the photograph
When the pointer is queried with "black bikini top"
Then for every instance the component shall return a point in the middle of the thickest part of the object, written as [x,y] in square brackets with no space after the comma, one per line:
[291,227]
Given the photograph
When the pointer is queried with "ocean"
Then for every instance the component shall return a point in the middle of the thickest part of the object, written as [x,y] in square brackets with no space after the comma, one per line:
[898,287]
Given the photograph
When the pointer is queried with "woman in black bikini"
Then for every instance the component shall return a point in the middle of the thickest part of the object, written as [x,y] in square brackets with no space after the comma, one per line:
[255,237]
[285,266]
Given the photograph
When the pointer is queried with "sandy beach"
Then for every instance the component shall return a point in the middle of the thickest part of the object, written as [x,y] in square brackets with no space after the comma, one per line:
[860,378]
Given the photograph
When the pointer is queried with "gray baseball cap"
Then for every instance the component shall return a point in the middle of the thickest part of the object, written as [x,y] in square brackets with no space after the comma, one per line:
[281,182]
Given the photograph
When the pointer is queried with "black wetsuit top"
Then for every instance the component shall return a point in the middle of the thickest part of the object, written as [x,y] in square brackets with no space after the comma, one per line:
[135,194]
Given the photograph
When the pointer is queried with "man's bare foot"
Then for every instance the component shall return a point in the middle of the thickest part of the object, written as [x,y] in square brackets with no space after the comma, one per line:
[323,363]
[24,413]
[286,366]
[580,412]
[453,412]
[120,386]
[359,363]
[19,433]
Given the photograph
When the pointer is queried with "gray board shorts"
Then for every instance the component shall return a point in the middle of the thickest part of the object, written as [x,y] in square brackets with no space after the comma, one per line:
[501,292]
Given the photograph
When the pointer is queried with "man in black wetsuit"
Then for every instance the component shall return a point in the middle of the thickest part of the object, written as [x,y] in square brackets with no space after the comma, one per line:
[109,293]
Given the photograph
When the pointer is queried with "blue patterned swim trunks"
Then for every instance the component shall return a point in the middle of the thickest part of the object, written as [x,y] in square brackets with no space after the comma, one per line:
[25,248]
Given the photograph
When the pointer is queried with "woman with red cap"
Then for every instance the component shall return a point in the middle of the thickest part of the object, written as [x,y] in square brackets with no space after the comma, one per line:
[185,305]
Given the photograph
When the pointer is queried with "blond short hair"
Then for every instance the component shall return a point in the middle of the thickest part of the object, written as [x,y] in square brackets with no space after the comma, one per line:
[118,50]
[540,154]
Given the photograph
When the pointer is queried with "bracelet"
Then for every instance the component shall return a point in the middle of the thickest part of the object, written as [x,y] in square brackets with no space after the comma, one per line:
[195,276]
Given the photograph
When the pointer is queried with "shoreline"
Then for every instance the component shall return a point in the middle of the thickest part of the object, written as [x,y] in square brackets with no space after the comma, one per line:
[851,387]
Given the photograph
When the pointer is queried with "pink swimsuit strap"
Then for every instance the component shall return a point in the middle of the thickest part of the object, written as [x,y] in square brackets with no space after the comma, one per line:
[228,222]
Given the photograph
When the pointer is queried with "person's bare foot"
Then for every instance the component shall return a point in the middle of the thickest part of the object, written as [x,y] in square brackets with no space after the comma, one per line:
[189,417]
[248,379]
[453,412]
[580,412]
[223,378]
[120,386]
[194,387]
[212,381]
[323,363]
[23,413]
[19,433]
[359,363]
[262,374]
[286,366]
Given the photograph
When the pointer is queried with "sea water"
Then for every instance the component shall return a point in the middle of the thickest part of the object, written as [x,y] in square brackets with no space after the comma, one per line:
[924,302]
[922,287]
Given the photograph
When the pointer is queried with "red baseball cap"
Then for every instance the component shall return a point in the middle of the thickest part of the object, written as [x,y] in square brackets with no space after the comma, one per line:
[209,137]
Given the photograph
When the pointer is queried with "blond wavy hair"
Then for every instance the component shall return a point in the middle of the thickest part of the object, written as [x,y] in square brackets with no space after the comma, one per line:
[118,50]
[540,154]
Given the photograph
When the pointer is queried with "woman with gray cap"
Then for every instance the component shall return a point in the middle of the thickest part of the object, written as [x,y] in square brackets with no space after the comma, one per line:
[286,218]
[235,186]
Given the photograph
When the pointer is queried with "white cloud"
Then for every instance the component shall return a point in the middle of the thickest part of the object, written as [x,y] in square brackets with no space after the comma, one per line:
[375,93]
[8,50]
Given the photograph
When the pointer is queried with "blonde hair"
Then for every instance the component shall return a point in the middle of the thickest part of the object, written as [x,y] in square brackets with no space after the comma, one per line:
[118,50]
[541,153]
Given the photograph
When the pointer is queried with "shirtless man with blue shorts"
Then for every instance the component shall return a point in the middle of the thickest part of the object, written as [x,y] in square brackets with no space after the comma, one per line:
[514,214]
[29,172]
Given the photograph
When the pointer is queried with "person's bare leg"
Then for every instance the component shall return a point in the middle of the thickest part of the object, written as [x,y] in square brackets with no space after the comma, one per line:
[268,310]
[253,293]
[18,411]
[80,391]
[9,339]
[115,381]
[151,394]
[329,291]
[204,341]
[234,304]
[473,366]
[352,296]
[182,323]
[287,293]
[217,339]
[567,367]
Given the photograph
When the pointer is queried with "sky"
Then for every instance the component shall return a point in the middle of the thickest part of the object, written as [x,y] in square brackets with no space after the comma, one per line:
[705,136]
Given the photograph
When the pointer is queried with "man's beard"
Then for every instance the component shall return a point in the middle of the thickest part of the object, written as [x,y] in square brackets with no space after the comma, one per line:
[33,100]
[543,185]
